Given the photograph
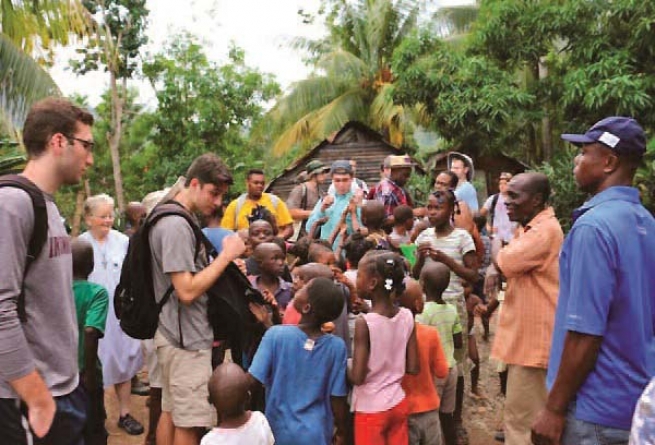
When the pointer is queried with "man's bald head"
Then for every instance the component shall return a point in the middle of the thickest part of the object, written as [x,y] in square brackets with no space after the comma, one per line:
[228,390]
[534,183]
[435,278]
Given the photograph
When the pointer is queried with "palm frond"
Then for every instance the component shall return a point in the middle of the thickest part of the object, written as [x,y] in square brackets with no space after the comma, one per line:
[22,82]
[318,124]
[36,26]
[344,65]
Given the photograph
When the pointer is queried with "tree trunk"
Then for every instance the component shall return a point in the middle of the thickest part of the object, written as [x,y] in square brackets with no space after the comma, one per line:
[114,138]
[546,127]
[79,208]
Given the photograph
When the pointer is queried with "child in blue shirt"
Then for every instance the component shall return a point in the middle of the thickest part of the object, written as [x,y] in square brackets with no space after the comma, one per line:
[304,372]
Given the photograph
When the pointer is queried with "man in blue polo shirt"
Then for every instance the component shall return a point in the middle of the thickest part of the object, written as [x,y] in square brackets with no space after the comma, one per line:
[603,351]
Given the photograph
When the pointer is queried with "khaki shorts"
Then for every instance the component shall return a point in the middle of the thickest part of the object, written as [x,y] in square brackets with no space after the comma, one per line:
[185,375]
[446,388]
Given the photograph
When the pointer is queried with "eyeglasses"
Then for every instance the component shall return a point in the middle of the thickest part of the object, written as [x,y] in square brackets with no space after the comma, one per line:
[88,145]
[105,217]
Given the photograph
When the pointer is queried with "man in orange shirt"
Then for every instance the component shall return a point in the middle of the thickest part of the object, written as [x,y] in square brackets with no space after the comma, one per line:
[420,390]
[525,328]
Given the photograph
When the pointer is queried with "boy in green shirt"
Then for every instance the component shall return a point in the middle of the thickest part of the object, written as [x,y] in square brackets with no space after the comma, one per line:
[434,279]
[91,304]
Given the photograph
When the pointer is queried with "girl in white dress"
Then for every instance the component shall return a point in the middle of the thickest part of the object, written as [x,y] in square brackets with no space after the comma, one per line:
[119,354]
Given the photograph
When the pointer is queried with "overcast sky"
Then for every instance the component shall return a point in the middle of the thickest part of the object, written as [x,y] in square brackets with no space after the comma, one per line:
[263,28]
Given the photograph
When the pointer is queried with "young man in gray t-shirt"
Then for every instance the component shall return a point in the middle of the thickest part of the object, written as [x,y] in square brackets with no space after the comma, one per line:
[38,358]
[184,337]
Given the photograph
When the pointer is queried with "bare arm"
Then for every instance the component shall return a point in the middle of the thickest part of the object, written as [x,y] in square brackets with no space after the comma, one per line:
[189,286]
[91,336]
[458,343]
[467,271]
[299,214]
[578,360]
[361,351]
[286,231]
[412,364]
[340,413]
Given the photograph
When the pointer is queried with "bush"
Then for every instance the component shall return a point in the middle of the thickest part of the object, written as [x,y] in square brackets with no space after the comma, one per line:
[565,196]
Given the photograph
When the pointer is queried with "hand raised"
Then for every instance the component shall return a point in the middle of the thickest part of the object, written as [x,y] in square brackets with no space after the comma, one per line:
[233,247]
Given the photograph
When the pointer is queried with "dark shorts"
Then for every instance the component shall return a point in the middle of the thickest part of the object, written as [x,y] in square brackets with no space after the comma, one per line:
[67,427]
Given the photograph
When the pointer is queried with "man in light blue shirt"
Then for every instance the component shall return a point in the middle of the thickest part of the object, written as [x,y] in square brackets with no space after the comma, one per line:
[340,208]
[603,351]
[462,166]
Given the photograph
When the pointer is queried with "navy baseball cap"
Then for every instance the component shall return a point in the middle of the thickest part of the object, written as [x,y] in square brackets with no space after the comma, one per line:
[623,135]
[341,167]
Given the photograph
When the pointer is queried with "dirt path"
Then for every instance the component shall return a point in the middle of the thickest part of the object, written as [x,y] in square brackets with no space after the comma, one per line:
[480,416]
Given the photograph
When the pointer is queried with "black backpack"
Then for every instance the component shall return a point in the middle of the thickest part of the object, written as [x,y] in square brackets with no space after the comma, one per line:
[134,301]
[39,233]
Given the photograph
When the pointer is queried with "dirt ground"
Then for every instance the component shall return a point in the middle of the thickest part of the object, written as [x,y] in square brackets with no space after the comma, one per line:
[481,417]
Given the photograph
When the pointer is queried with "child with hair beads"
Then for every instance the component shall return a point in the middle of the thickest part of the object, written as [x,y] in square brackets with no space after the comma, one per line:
[303,371]
[385,349]
[228,392]
[420,390]
[443,316]
[91,305]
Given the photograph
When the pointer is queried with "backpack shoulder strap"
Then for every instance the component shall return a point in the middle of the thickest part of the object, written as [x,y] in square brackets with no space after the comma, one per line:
[492,210]
[170,208]
[241,200]
[303,199]
[39,233]
[274,200]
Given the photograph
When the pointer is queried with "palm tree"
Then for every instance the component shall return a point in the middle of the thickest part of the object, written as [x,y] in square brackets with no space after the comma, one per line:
[352,79]
[28,32]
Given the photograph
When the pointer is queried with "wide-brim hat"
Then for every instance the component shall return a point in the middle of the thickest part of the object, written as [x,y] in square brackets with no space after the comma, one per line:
[316,167]
[467,161]
[402,161]
[151,200]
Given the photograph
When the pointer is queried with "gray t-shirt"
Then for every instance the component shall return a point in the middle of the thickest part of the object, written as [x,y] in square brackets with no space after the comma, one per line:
[48,341]
[173,246]
[294,201]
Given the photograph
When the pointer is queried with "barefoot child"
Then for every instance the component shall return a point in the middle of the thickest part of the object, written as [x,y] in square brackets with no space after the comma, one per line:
[304,372]
[228,392]
[91,304]
[444,317]
[420,390]
[385,349]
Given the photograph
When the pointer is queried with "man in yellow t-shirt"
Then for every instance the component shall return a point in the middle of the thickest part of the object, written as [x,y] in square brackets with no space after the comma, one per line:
[237,212]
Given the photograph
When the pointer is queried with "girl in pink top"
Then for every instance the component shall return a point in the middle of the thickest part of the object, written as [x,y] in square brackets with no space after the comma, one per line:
[384,350]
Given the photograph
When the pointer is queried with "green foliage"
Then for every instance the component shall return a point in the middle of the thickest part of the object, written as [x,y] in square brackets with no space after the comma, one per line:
[203,107]
[565,196]
[120,34]
[469,100]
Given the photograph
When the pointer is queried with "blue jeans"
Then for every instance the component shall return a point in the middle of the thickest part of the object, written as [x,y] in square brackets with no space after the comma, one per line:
[580,432]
